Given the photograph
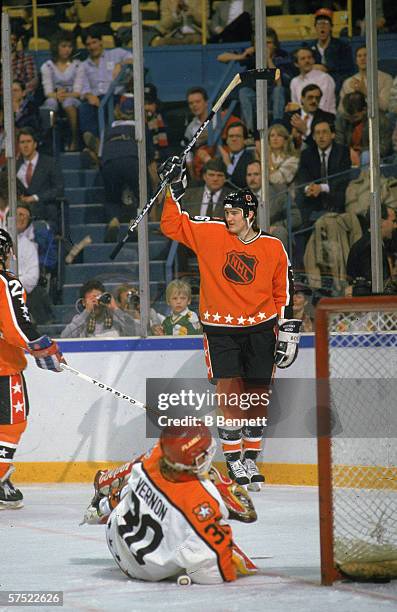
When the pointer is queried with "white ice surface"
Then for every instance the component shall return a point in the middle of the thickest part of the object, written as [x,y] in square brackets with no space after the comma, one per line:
[42,547]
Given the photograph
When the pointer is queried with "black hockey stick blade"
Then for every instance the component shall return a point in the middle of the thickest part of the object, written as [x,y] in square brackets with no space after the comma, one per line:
[259,74]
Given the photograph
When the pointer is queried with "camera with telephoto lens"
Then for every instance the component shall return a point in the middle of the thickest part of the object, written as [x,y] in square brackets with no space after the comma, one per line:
[104,298]
[133,300]
[361,287]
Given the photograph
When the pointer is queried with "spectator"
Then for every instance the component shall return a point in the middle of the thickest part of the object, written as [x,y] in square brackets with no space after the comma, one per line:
[25,112]
[302,308]
[304,60]
[98,315]
[3,160]
[39,179]
[29,267]
[120,167]
[283,159]
[236,156]
[155,123]
[323,192]
[299,120]
[393,97]
[100,69]
[181,321]
[358,82]
[4,208]
[197,99]
[231,21]
[279,221]
[352,129]
[23,67]
[127,297]
[63,79]
[277,91]
[332,55]
[180,23]
[208,199]
[359,260]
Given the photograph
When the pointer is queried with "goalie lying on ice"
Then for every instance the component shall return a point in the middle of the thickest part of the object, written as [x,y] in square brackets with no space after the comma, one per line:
[166,512]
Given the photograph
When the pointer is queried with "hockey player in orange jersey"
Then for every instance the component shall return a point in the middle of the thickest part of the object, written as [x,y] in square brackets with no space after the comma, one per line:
[17,334]
[246,289]
[166,516]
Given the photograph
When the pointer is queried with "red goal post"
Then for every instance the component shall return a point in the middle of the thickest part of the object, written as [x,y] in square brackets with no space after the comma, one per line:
[356,372]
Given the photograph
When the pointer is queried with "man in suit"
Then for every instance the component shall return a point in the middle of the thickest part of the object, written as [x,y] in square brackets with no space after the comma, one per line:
[236,157]
[323,192]
[232,21]
[39,179]
[278,205]
[300,120]
[206,201]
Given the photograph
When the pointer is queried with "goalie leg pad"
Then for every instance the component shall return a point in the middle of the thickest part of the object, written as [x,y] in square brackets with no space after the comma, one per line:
[243,564]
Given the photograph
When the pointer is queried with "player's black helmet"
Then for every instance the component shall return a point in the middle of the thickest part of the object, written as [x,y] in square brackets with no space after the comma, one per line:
[5,245]
[244,199]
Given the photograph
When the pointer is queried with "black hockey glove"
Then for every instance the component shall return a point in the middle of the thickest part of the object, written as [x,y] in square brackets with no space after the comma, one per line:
[173,170]
[287,342]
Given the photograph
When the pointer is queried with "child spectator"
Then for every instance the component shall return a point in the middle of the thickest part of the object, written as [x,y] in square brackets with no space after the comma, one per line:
[181,321]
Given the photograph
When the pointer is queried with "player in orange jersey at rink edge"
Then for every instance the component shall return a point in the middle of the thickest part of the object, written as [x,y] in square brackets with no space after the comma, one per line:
[17,334]
[246,291]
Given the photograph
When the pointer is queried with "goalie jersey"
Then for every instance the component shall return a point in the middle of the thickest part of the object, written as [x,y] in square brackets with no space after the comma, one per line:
[242,284]
[161,528]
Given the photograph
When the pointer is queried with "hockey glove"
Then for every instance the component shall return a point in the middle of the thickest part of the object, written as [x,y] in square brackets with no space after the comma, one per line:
[173,170]
[243,564]
[287,342]
[47,353]
[234,496]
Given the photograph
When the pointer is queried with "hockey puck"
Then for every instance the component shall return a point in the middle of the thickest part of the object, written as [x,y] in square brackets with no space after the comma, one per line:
[184,580]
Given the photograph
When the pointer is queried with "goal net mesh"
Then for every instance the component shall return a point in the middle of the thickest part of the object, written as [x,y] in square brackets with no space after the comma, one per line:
[362,379]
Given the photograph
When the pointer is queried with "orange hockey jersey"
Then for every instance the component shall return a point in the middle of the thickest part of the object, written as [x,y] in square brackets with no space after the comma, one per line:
[16,329]
[242,284]
[161,527]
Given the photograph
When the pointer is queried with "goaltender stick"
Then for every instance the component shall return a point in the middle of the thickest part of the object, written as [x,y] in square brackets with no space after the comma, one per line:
[166,512]
[246,290]
[17,334]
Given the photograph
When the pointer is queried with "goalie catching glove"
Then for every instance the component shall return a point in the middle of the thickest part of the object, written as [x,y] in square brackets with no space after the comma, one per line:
[234,496]
[287,342]
[173,170]
[47,353]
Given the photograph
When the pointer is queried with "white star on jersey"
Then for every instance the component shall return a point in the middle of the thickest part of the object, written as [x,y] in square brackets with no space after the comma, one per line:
[261,315]
[204,511]
[3,452]
[229,318]
[206,315]
[251,320]
[241,320]
[216,317]
[17,388]
[18,407]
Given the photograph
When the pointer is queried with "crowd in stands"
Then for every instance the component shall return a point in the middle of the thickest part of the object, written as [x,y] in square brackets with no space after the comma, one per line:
[318,133]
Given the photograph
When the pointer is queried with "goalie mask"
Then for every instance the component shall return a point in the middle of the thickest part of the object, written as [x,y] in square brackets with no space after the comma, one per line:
[5,246]
[188,449]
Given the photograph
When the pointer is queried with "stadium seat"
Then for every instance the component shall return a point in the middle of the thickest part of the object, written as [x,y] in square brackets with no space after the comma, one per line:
[38,44]
[291,27]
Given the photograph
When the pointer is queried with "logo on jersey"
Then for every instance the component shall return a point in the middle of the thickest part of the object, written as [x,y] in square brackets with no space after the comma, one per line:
[204,512]
[240,268]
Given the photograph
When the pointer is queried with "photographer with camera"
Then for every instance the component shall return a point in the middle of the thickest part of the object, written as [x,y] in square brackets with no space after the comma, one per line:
[99,315]
[127,297]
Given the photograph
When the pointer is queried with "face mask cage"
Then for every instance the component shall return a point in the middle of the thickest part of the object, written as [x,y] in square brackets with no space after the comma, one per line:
[202,462]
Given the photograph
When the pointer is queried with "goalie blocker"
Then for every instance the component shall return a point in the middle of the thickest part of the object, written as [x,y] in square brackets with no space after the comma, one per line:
[168,512]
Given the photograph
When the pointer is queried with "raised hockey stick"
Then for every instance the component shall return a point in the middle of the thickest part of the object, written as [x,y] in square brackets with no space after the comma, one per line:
[105,387]
[246,78]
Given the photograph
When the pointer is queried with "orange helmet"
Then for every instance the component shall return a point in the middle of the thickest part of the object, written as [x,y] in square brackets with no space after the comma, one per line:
[188,448]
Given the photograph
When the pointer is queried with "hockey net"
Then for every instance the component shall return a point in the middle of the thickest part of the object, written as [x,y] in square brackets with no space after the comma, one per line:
[356,367]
